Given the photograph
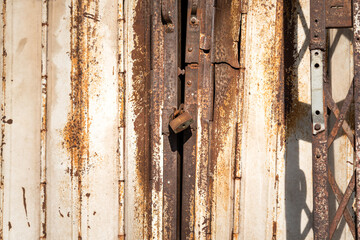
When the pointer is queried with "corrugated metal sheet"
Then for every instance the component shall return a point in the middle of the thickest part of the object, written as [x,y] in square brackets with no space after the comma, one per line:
[84,104]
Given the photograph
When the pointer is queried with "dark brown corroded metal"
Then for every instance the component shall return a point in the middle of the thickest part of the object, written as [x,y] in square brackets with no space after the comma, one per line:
[319,140]
[141,98]
[192,49]
[189,155]
[339,196]
[356,50]
[317,25]
[321,205]
[342,205]
[222,167]
[335,110]
[338,14]
[170,101]
[341,117]
[192,33]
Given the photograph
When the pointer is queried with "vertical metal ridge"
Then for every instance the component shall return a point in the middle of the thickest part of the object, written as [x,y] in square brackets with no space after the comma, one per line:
[279,119]
[156,121]
[170,103]
[121,152]
[239,127]
[204,118]
[76,131]
[239,124]
[43,130]
[3,114]
[356,50]
[319,118]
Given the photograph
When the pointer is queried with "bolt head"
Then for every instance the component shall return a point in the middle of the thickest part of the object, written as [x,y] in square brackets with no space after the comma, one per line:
[193,20]
[317,127]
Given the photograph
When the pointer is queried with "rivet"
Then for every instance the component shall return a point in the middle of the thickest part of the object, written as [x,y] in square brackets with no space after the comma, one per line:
[317,127]
[190,49]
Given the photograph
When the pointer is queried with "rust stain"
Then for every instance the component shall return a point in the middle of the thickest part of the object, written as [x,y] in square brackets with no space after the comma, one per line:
[83,72]
[274,229]
[25,207]
[140,98]
[61,215]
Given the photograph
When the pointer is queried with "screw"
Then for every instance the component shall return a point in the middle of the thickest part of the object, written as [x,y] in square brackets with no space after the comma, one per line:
[317,127]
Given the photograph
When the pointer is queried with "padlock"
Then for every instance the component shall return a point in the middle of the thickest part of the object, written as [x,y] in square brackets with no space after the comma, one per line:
[180,120]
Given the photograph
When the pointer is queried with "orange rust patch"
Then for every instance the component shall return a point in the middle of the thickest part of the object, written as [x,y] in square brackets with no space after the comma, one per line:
[83,72]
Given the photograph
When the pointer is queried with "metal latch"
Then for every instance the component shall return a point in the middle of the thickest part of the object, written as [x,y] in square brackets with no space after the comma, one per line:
[180,120]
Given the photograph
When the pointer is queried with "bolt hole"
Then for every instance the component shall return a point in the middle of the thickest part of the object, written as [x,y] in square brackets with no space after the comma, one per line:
[317,65]
[316,53]
[357,39]
[318,156]
[316,36]
[317,112]
[316,20]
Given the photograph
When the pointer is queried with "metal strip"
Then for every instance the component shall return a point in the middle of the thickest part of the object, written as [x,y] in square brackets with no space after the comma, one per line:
[335,110]
[317,89]
[44,76]
[121,153]
[319,139]
[342,204]
[317,25]
[341,118]
[339,196]
[338,14]
[189,155]
[156,134]
[204,118]
[170,103]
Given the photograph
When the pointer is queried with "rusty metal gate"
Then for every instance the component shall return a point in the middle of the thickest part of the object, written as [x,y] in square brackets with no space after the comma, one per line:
[180,119]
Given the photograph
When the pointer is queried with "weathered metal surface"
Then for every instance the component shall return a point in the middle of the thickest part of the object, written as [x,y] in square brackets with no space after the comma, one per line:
[170,103]
[44,84]
[341,152]
[342,207]
[117,120]
[205,93]
[21,119]
[339,197]
[317,25]
[226,101]
[189,155]
[340,116]
[262,151]
[156,126]
[137,127]
[338,13]
[319,118]
[239,122]
[356,50]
